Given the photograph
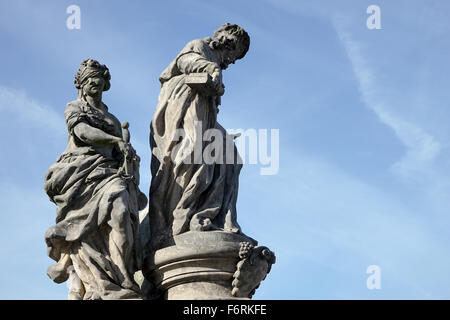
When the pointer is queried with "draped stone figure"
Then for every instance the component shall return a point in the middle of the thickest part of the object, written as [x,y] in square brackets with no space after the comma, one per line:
[195,248]
[94,184]
[188,193]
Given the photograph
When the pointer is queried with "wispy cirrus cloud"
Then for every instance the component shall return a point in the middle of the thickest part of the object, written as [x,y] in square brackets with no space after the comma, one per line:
[28,110]
[421,147]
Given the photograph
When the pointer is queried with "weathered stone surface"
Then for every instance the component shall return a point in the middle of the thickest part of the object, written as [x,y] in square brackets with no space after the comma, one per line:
[94,184]
[208,265]
[253,268]
[187,193]
[196,265]
[195,246]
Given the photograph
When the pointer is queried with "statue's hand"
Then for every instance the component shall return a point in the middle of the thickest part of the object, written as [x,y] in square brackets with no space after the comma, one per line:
[122,146]
[217,82]
[131,151]
[127,151]
[125,148]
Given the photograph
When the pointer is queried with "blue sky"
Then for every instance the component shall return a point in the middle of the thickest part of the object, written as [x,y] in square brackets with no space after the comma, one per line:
[363,119]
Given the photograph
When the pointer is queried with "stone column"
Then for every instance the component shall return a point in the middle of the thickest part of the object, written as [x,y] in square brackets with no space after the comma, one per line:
[208,265]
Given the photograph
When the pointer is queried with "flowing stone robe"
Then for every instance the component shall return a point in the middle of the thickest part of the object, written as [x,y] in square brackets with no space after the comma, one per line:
[189,197]
[95,238]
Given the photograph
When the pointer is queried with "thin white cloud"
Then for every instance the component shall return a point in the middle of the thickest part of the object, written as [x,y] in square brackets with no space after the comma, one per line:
[422,148]
[30,111]
[344,224]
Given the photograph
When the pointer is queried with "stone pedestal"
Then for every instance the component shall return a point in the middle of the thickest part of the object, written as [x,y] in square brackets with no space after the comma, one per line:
[208,265]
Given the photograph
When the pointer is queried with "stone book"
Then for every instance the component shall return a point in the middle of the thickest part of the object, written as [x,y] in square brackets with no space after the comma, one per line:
[201,82]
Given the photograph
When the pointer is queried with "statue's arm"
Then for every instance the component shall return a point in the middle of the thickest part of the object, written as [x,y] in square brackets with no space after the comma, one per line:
[94,136]
[193,62]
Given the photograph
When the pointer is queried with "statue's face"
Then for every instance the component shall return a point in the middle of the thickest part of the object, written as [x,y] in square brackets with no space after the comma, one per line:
[94,86]
[230,51]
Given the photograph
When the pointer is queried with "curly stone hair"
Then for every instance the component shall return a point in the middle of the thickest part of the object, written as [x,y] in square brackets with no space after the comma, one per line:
[242,36]
[92,68]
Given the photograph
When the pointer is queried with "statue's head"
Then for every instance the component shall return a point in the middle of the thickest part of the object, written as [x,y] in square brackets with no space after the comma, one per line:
[232,42]
[92,78]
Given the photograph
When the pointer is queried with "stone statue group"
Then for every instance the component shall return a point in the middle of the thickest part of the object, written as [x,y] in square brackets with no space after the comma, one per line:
[188,244]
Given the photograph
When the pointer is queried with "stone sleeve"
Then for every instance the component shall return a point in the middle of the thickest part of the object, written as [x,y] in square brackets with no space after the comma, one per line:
[74,115]
[193,62]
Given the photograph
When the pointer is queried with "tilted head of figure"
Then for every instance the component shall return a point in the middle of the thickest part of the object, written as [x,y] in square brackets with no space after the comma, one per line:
[231,42]
[92,78]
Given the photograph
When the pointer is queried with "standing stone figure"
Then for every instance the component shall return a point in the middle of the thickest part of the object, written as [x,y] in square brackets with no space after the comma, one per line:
[94,184]
[188,193]
[195,248]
